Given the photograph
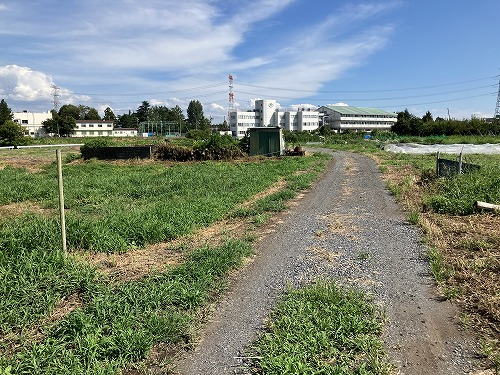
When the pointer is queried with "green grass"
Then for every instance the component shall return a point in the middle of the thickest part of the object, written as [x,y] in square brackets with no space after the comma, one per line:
[322,329]
[120,324]
[116,208]
[456,195]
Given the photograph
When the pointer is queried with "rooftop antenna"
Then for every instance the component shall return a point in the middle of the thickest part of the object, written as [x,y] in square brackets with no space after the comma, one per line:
[55,97]
[230,107]
[497,108]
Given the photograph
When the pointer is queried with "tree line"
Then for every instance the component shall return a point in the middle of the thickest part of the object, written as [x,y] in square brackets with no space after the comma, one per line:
[63,121]
[409,124]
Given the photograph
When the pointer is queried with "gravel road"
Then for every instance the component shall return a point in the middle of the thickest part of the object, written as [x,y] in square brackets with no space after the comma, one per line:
[348,228]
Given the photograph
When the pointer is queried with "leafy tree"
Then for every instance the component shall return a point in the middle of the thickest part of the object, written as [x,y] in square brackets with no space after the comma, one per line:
[88,113]
[143,111]
[195,116]
[427,117]
[69,110]
[109,115]
[5,112]
[12,134]
[127,120]
[224,126]
[178,116]
[62,123]
[407,124]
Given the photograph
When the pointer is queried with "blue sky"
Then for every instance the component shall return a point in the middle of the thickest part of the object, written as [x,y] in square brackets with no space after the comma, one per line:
[436,55]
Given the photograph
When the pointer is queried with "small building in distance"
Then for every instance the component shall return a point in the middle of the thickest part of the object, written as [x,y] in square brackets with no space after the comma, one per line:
[125,132]
[343,118]
[32,122]
[265,114]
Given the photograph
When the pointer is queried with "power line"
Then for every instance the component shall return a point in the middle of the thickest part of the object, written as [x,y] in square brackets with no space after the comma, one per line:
[366,91]
[436,102]
[390,98]
[152,93]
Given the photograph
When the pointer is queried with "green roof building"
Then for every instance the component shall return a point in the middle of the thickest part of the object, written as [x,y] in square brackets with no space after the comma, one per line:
[342,118]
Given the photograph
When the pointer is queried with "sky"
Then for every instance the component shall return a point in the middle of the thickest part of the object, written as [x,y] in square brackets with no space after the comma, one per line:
[440,56]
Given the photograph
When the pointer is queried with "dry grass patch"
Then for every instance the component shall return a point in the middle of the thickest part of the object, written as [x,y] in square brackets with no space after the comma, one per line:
[33,159]
[467,250]
[340,223]
[137,264]
[325,255]
[470,246]
[19,208]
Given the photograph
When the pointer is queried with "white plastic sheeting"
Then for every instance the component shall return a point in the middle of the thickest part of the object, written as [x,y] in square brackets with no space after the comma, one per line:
[414,148]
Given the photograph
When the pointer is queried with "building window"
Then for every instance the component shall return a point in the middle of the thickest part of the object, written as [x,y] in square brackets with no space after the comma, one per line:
[83,125]
[99,125]
[91,125]
[25,121]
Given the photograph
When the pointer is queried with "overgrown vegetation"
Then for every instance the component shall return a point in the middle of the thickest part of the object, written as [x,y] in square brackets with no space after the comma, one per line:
[118,207]
[322,329]
[409,124]
[214,147]
[120,324]
[464,245]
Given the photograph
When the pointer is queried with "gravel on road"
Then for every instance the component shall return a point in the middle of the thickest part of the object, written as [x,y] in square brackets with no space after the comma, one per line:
[348,228]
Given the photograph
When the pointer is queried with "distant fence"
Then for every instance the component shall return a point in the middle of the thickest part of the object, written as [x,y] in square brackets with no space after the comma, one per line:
[134,152]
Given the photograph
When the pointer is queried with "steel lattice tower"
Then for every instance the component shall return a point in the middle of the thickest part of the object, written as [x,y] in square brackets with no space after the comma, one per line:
[55,97]
[230,107]
[497,108]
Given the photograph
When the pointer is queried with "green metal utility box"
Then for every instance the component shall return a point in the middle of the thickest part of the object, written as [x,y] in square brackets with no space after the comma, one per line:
[266,141]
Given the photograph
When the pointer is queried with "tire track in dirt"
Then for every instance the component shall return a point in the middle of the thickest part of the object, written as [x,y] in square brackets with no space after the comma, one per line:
[349,228]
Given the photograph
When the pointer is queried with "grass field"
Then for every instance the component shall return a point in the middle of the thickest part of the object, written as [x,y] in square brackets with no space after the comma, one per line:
[68,315]
[60,314]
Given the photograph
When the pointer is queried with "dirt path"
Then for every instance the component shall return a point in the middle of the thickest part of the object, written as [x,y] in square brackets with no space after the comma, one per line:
[349,228]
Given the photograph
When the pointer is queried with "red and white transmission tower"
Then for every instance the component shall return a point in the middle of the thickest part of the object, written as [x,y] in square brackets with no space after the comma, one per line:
[230,107]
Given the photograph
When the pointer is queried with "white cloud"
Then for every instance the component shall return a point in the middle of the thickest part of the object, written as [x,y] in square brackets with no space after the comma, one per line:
[339,104]
[129,47]
[22,83]
[296,107]
[217,107]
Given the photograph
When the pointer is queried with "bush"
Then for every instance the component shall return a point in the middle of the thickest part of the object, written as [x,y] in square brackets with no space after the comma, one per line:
[95,143]
[198,134]
[215,147]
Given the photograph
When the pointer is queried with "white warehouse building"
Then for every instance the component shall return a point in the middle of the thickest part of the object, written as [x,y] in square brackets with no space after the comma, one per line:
[32,122]
[265,114]
[342,118]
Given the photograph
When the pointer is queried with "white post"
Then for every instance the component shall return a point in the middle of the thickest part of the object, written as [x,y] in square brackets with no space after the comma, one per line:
[61,201]
[460,158]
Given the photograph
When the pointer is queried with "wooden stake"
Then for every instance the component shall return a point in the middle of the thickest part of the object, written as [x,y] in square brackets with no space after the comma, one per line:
[437,164]
[61,201]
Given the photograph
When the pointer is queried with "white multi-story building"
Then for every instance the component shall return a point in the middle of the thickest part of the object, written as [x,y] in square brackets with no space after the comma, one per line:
[93,128]
[342,118]
[32,122]
[266,114]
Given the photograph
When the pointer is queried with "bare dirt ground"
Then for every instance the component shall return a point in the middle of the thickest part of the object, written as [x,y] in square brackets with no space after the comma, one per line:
[349,228]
